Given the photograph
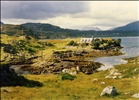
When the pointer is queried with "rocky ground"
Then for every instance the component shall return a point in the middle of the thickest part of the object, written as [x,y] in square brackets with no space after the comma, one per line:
[63,61]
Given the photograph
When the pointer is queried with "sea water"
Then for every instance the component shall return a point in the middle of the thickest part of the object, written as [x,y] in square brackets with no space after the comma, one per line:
[130,49]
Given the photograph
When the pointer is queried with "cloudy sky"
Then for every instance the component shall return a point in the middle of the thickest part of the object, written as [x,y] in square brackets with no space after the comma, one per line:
[71,14]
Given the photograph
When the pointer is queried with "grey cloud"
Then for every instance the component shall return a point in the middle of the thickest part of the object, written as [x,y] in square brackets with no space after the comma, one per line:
[39,10]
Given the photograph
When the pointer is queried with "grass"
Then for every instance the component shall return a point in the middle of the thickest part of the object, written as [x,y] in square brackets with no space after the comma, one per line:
[55,89]
[59,45]
[81,88]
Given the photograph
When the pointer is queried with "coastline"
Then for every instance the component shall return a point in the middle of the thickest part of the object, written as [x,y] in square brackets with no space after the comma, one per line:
[56,66]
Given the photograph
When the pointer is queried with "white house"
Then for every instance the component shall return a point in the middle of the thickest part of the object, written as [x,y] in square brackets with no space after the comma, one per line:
[86,40]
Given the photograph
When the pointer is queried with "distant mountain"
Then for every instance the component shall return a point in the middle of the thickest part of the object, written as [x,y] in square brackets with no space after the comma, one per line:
[48,31]
[41,26]
[52,31]
[134,26]
[92,28]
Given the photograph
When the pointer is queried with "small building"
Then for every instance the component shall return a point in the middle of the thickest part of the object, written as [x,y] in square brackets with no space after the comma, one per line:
[86,40]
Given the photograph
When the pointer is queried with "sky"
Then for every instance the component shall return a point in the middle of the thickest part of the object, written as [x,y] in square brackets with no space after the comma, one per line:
[81,15]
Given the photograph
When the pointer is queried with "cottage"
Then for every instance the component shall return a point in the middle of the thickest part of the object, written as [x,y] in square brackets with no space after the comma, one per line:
[86,40]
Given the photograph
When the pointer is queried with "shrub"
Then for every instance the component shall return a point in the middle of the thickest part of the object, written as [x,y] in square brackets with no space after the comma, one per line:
[105,44]
[31,50]
[72,43]
[8,48]
[95,45]
[66,76]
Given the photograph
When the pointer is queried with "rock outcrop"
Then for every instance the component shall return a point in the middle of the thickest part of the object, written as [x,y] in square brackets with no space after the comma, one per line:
[56,67]
[135,95]
[114,73]
[110,90]
[10,78]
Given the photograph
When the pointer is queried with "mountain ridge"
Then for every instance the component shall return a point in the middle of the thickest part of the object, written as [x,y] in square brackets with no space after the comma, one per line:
[49,31]
[92,28]
[128,27]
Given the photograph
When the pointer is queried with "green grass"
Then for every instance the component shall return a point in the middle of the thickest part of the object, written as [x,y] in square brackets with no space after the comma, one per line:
[56,89]
[81,88]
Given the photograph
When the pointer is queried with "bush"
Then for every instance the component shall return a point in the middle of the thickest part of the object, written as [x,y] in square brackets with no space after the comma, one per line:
[31,50]
[8,48]
[72,43]
[105,44]
[66,76]
[95,45]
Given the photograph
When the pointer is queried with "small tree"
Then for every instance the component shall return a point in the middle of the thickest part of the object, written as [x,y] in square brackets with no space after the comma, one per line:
[95,45]
[72,43]
[118,42]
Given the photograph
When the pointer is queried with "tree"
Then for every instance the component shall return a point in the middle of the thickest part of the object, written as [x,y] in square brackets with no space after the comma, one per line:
[95,45]
[72,43]
[118,42]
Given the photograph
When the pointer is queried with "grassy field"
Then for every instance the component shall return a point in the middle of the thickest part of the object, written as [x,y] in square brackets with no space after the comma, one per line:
[59,45]
[46,51]
[81,88]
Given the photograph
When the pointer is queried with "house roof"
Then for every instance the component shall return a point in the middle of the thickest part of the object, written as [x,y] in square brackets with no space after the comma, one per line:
[86,40]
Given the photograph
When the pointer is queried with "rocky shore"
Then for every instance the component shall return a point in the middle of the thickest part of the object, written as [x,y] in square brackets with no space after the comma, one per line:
[69,61]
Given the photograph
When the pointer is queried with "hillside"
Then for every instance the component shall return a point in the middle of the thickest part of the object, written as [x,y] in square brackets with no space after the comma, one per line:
[51,31]
[48,31]
[42,27]
[16,30]
[134,26]
[91,28]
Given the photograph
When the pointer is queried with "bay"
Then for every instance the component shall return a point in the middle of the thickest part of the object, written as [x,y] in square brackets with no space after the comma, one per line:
[130,49]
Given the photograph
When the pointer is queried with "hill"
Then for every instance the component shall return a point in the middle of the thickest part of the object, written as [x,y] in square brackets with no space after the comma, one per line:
[48,31]
[42,27]
[134,26]
[52,31]
[91,28]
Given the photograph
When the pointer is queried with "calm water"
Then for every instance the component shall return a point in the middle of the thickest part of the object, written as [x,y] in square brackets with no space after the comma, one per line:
[131,49]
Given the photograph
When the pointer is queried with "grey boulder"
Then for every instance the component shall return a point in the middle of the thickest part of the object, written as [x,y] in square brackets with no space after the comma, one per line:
[110,90]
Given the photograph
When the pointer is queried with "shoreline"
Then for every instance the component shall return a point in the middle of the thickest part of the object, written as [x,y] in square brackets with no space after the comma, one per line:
[54,56]
[74,64]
